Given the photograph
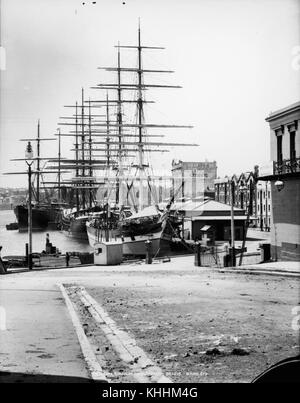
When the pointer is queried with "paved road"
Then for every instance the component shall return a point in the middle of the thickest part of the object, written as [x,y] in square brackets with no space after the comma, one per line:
[175,311]
[39,336]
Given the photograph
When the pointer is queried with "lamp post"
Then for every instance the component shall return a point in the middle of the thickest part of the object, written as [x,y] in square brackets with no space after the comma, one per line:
[266,207]
[249,206]
[29,156]
[232,223]
[261,224]
[279,185]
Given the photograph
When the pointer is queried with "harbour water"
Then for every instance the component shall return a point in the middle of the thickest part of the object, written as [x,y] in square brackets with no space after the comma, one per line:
[13,242]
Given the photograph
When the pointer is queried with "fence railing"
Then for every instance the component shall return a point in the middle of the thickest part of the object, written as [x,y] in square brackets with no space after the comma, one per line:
[213,256]
[287,166]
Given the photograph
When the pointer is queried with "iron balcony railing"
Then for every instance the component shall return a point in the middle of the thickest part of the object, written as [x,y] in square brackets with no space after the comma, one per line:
[287,166]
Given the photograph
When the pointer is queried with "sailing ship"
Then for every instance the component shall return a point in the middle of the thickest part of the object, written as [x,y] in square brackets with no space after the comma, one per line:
[45,211]
[44,216]
[84,184]
[150,223]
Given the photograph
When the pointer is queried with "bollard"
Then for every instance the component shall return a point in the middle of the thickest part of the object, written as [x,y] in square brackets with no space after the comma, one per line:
[26,254]
[148,245]
[197,254]
[67,259]
[232,258]
[30,262]
[2,265]
[265,252]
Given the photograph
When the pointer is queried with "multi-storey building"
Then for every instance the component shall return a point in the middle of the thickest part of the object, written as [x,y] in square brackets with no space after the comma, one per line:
[195,179]
[263,205]
[245,192]
[285,182]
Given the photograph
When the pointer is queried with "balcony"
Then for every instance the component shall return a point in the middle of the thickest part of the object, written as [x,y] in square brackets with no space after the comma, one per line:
[287,167]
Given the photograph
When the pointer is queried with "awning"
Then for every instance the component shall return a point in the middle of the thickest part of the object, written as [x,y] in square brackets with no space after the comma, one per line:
[218,218]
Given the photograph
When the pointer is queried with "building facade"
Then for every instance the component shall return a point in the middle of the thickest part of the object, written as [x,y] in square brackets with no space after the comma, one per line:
[194,178]
[285,182]
[247,192]
[215,215]
[263,205]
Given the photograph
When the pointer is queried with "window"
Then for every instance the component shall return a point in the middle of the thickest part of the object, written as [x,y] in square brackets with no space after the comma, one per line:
[279,148]
[292,145]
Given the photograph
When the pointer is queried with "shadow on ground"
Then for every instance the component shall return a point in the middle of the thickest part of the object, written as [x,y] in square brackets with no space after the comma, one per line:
[17,377]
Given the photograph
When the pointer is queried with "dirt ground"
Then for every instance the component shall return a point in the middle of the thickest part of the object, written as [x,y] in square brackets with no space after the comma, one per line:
[205,326]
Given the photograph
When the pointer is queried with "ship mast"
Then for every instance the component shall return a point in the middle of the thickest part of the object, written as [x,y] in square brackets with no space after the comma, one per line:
[140,120]
[59,166]
[82,145]
[140,137]
[38,171]
[76,154]
[38,164]
[90,156]
[84,164]
[119,194]
[107,132]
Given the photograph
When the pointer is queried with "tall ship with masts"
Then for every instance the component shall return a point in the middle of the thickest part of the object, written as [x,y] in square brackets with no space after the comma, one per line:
[46,207]
[146,223]
[84,165]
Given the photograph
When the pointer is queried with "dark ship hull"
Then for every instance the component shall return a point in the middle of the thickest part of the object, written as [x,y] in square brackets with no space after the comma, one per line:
[43,217]
[74,227]
[40,218]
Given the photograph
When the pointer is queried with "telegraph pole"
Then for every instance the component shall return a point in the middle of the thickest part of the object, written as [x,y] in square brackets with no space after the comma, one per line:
[29,156]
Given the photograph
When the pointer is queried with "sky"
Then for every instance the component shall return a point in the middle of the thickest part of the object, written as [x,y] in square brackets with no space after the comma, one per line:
[235,60]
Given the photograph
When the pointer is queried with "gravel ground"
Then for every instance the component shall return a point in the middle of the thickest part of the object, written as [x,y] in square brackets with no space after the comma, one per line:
[205,326]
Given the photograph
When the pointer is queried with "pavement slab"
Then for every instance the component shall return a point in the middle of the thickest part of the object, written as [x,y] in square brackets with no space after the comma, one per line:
[39,336]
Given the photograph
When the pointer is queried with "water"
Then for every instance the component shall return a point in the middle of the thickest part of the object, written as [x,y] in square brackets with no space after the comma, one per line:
[13,242]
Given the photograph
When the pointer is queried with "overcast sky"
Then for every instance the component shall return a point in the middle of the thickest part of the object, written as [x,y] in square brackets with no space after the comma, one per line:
[233,58]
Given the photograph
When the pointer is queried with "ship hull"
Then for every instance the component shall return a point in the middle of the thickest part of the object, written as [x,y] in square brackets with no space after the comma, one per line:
[40,218]
[73,223]
[135,245]
[75,227]
[96,235]
[43,217]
